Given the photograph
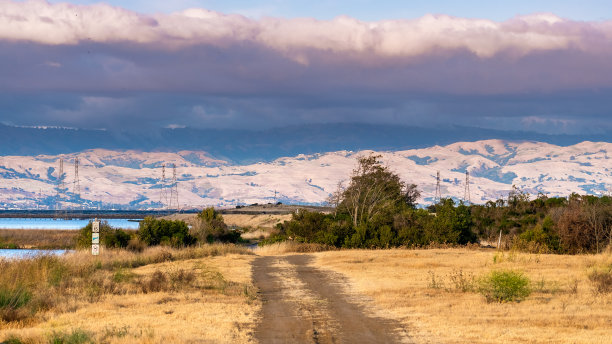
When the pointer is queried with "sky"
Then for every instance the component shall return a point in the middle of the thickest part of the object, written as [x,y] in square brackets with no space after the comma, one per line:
[542,66]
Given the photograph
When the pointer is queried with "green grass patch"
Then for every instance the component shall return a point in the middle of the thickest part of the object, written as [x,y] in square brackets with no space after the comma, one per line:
[14,298]
[77,336]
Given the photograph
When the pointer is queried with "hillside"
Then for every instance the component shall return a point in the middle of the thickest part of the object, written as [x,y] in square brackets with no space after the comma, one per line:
[110,178]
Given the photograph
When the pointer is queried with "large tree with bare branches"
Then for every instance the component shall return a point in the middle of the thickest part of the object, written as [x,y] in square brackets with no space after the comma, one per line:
[373,190]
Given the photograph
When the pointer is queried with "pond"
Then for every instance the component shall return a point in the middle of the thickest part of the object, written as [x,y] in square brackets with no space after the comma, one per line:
[20,254]
[50,223]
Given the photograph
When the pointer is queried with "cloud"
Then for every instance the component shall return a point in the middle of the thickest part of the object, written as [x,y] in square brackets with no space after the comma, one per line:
[54,24]
[104,66]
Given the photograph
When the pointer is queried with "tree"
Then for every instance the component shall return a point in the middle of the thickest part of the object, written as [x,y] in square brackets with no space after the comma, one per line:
[210,227]
[411,195]
[335,198]
[372,190]
[452,224]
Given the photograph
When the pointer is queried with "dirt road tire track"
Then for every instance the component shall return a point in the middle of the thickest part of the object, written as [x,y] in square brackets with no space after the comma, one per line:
[331,318]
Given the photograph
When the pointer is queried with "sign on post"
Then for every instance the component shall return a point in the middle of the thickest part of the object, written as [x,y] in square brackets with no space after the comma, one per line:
[95,237]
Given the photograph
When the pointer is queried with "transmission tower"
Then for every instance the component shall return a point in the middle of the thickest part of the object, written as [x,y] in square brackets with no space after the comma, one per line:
[173,190]
[76,184]
[467,197]
[163,194]
[438,196]
[60,185]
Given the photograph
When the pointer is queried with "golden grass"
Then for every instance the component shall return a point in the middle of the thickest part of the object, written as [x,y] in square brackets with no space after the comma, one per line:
[255,221]
[160,296]
[422,289]
[285,247]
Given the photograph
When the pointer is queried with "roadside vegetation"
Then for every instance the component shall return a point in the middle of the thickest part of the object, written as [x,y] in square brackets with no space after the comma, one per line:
[180,266]
[378,210]
[37,293]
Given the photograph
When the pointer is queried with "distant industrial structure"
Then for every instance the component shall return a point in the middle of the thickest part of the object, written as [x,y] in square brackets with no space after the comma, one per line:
[438,195]
[467,198]
[169,198]
[61,187]
[76,184]
[174,200]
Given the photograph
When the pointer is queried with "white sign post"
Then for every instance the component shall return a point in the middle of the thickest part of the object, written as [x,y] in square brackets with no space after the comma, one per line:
[95,237]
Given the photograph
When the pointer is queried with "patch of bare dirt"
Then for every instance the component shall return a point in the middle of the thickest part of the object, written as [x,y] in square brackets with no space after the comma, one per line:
[303,304]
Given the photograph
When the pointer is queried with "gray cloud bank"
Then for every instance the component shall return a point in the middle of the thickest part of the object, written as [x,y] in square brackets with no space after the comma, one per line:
[103,66]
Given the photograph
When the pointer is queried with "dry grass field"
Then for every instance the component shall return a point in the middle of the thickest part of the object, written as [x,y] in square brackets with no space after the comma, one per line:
[254,221]
[424,289]
[206,294]
[159,296]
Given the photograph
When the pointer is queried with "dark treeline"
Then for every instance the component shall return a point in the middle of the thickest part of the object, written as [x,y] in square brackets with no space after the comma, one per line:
[378,210]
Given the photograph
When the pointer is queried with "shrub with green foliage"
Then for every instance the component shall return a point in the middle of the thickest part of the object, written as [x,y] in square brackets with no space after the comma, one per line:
[153,232]
[211,227]
[109,237]
[505,286]
[540,238]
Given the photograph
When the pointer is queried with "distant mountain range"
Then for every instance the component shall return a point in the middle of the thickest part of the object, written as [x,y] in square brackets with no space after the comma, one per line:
[244,146]
[133,179]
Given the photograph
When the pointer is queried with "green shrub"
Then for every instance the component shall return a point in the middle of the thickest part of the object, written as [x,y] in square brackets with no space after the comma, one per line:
[13,302]
[211,227]
[13,340]
[115,238]
[505,286]
[14,298]
[77,336]
[273,239]
[152,232]
[109,236]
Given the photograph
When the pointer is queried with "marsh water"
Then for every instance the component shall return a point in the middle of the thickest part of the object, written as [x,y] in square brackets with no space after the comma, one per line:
[51,223]
[20,254]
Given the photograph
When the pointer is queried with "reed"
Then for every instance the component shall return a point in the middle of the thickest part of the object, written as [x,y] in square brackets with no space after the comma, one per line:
[38,238]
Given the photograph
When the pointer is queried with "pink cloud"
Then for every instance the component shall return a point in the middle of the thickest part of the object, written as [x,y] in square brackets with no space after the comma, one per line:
[66,24]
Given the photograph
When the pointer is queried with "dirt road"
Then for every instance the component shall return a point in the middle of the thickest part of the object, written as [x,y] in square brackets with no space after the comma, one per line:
[302,304]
